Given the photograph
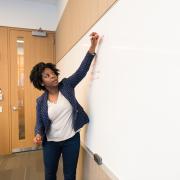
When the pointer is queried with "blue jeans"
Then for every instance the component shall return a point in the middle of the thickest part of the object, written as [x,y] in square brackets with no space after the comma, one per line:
[70,152]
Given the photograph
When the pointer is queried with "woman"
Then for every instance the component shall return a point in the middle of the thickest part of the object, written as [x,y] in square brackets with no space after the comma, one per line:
[59,115]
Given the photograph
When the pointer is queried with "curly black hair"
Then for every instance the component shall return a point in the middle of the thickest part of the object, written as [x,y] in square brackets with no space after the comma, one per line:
[36,74]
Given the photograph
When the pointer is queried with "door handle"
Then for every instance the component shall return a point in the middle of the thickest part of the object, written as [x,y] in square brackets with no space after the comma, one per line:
[14,108]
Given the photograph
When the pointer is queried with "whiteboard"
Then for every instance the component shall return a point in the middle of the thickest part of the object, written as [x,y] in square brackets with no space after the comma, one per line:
[132,91]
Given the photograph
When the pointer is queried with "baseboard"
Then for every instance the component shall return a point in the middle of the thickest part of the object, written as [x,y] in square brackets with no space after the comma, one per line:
[91,170]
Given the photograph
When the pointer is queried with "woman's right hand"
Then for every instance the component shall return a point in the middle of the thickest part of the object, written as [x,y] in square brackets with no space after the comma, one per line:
[94,41]
[37,139]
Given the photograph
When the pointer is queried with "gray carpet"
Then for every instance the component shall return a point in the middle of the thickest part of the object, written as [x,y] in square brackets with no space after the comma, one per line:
[24,166]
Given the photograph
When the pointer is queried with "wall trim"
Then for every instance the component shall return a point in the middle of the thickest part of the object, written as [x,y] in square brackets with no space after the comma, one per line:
[104,168]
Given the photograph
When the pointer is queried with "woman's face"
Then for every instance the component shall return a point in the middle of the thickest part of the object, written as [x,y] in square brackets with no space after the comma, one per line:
[49,78]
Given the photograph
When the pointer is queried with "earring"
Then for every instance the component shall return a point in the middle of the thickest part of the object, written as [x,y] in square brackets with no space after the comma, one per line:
[42,84]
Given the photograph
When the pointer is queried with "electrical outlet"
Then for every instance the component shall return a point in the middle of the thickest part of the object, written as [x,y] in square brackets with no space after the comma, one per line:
[1,109]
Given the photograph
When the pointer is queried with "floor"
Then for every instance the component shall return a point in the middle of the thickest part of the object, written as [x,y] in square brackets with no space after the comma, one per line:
[24,166]
[29,166]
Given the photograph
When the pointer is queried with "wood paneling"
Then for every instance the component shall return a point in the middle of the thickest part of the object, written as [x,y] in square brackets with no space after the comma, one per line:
[4,84]
[79,16]
[88,169]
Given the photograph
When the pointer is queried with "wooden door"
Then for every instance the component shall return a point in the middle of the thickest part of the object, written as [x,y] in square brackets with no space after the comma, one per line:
[25,51]
[4,86]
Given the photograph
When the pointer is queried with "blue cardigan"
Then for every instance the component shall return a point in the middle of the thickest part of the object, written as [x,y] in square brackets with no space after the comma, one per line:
[66,87]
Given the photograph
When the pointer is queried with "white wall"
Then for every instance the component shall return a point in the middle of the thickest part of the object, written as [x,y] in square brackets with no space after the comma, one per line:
[133,97]
[31,14]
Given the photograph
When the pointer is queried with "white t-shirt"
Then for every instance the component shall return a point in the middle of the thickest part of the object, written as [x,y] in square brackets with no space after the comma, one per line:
[60,114]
